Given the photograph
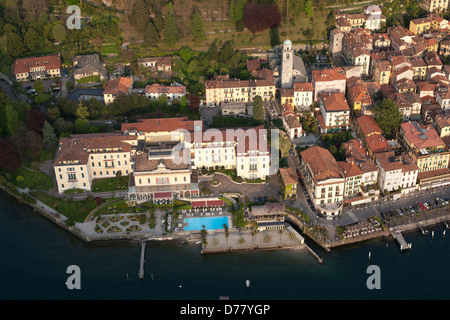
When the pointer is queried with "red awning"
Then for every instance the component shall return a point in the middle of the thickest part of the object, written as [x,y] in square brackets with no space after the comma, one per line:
[197,204]
[215,203]
[163,195]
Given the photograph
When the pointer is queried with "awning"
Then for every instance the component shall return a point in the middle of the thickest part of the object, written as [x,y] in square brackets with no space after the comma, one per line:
[215,203]
[162,195]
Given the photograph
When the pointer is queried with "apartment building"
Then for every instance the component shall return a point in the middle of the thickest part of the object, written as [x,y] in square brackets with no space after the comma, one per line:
[303,94]
[328,80]
[428,151]
[324,180]
[334,113]
[218,91]
[36,68]
[396,173]
[81,158]
[116,87]
[434,5]
[173,92]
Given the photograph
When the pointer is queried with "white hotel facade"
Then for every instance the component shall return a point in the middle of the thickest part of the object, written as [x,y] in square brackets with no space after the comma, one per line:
[144,152]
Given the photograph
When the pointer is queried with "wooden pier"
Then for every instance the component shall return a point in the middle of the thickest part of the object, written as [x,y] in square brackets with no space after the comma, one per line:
[142,261]
[402,242]
[424,232]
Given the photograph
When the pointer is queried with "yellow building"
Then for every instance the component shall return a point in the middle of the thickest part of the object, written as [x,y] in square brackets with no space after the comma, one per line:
[419,26]
[428,151]
[381,72]
[434,5]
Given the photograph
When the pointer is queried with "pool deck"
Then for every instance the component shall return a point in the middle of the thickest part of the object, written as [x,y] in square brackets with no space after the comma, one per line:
[218,242]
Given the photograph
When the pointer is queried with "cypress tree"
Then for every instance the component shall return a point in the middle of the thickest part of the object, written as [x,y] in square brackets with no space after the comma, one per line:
[197,29]
[151,35]
[170,27]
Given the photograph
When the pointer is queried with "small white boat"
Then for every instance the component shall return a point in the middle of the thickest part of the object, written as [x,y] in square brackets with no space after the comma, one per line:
[247,283]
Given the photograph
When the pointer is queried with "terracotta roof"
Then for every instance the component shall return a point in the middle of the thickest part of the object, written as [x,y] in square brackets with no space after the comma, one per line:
[389,162]
[118,86]
[354,150]
[420,136]
[78,147]
[349,169]
[236,83]
[143,163]
[368,166]
[288,176]
[50,62]
[253,65]
[433,173]
[322,164]
[163,125]
[307,86]
[158,88]
[334,101]
[377,143]
[368,125]
[328,74]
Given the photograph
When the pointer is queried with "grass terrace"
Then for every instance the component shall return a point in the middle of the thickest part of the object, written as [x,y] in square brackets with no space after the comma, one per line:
[24,178]
[110,184]
[73,210]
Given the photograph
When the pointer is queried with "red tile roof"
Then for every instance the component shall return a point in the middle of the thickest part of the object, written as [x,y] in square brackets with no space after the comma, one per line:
[118,86]
[368,125]
[50,62]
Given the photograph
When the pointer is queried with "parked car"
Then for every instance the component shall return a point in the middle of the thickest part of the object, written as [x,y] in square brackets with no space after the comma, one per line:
[291,152]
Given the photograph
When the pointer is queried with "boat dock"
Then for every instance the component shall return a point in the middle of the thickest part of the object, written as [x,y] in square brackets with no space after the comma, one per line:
[142,261]
[401,241]
[424,232]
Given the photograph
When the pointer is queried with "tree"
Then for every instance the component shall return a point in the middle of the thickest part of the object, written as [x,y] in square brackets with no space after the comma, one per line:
[194,102]
[36,120]
[15,45]
[39,87]
[197,29]
[183,105]
[151,35]
[63,126]
[49,137]
[53,114]
[12,119]
[82,112]
[260,16]
[32,39]
[9,159]
[139,16]
[258,111]
[81,126]
[170,27]
[59,32]
[387,116]
[213,52]
[309,9]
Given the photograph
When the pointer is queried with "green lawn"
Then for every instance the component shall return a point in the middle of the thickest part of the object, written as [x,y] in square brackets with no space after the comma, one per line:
[89,79]
[110,184]
[110,49]
[232,122]
[74,210]
[34,180]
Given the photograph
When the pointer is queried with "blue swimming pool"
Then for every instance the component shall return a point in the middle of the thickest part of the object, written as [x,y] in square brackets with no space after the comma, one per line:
[210,223]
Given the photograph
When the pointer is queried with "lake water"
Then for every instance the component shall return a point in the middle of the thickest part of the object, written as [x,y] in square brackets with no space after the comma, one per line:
[35,255]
